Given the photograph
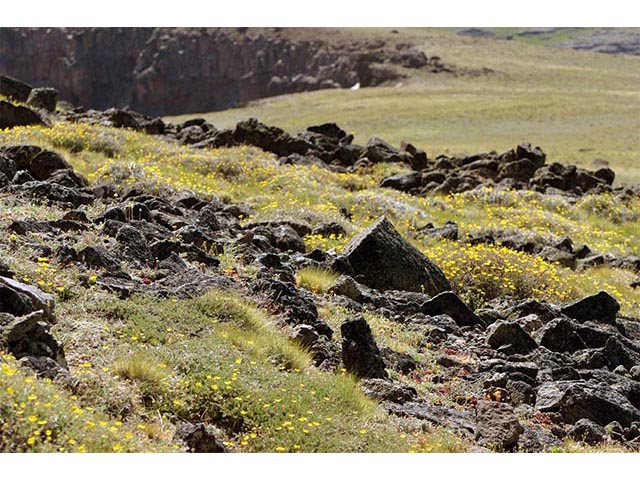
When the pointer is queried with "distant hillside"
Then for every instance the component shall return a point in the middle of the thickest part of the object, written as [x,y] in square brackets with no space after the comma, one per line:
[605,40]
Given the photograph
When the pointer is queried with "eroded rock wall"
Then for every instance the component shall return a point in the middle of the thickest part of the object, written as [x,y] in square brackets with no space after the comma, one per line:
[177,70]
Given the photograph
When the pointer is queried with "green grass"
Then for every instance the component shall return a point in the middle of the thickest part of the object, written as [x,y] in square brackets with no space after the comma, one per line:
[145,363]
[317,280]
[314,195]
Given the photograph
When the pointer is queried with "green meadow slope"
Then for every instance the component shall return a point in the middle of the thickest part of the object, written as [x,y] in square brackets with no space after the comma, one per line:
[579,106]
[145,356]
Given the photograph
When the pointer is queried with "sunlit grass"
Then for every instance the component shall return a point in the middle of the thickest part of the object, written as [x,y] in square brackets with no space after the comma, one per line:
[317,280]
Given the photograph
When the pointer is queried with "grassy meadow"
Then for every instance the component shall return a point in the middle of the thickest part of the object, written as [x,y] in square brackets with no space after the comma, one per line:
[143,364]
[578,106]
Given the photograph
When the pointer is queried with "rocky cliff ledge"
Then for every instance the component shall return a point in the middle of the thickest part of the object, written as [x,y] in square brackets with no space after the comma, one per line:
[163,71]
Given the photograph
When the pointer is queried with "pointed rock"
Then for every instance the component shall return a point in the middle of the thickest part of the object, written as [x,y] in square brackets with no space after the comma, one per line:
[380,258]
[360,354]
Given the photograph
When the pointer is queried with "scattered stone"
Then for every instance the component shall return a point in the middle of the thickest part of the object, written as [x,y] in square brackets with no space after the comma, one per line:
[199,438]
[588,432]
[360,354]
[384,390]
[599,307]
[20,299]
[510,338]
[497,426]
[448,303]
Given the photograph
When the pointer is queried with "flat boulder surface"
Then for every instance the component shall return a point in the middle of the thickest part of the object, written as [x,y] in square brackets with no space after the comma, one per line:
[380,258]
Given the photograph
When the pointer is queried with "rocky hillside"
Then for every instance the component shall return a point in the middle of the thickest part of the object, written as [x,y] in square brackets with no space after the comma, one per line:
[605,40]
[165,71]
[179,287]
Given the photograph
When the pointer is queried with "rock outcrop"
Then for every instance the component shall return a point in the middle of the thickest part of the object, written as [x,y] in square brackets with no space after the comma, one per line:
[179,70]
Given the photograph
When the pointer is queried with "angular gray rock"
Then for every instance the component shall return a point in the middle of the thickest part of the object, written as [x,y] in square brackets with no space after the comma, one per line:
[578,399]
[448,303]
[588,432]
[360,354]
[510,338]
[384,390]
[380,258]
[599,307]
[497,426]
[18,299]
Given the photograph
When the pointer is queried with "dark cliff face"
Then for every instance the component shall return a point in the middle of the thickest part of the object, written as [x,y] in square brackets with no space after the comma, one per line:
[177,70]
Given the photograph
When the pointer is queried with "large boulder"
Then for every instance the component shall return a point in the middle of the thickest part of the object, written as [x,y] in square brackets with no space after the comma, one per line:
[497,426]
[560,335]
[448,303]
[360,354]
[18,298]
[380,258]
[599,307]
[18,116]
[29,336]
[14,89]
[43,98]
[510,338]
[577,399]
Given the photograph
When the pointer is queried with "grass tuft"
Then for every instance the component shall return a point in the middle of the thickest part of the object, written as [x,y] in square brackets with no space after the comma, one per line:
[317,280]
